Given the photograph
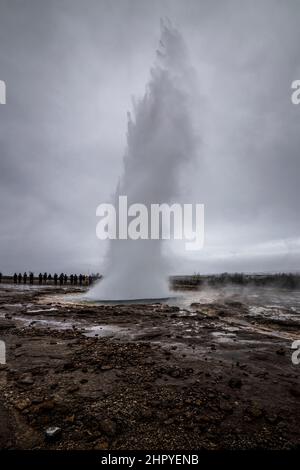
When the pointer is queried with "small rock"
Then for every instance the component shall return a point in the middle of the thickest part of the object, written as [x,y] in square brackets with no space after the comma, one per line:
[146,414]
[169,421]
[235,383]
[5,324]
[44,407]
[281,426]
[272,418]
[73,388]
[101,445]
[22,404]
[70,419]
[26,379]
[255,411]
[171,309]
[69,365]
[175,373]
[108,427]
[295,392]
[53,433]
[225,406]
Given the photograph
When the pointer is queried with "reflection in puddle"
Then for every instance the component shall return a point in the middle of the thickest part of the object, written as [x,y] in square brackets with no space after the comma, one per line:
[60,325]
[42,310]
[223,337]
[105,330]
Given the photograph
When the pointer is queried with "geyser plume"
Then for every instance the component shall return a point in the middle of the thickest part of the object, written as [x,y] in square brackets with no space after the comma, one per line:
[160,141]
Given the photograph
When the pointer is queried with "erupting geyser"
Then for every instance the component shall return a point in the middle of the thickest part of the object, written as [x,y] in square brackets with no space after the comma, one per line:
[160,141]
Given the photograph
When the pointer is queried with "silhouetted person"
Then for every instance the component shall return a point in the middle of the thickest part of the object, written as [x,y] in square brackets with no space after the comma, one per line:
[15,278]
[80,279]
[0,277]
[65,279]
[40,279]
[19,278]
[75,279]
[45,278]
[72,279]
[25,277]
[61,279]
[55,277]
[49,278]
[31,278]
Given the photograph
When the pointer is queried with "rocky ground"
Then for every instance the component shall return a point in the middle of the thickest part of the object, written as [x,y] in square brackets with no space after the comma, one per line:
[152,376]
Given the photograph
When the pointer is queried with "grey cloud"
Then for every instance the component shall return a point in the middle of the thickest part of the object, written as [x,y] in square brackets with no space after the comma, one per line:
[71,68]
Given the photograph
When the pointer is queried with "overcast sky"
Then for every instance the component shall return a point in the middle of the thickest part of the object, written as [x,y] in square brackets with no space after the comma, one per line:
[71,68]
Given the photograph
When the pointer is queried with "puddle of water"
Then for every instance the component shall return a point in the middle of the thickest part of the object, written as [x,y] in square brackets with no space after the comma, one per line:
[275,312]
[89,331]
[105,330]
[42,310]
[22,287]
[223,337]
[59,325]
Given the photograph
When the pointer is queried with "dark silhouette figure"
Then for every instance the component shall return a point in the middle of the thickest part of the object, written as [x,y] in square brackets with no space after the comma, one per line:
[61,279]
[31,278]
[55,277]
[0,277]
[25,277]
[45,278]
[72,279]
[80,279]
[65,279]
[19,278]
[75,279]
[49,278]
[40,278]
[15,278]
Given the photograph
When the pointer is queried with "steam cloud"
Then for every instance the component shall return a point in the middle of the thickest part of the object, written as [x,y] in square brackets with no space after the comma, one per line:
[160,140]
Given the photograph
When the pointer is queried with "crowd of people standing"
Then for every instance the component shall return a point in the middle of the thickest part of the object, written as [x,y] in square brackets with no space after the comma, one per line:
[46,278]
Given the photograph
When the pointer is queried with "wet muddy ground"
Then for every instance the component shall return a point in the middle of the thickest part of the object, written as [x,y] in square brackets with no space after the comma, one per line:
[211,375]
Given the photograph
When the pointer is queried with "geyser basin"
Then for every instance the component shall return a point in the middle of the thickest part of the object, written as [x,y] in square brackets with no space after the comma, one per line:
[130,301]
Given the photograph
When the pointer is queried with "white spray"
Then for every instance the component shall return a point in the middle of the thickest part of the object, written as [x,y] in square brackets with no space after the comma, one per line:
[160,141]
